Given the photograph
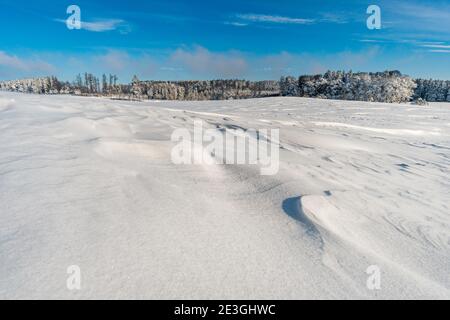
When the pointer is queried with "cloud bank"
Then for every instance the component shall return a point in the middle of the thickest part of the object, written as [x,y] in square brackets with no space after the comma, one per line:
[12,66]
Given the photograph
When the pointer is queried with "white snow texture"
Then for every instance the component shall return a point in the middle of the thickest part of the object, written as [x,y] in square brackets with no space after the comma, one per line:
[90,182]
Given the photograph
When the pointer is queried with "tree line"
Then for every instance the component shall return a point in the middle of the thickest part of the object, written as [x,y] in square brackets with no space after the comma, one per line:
[388,86]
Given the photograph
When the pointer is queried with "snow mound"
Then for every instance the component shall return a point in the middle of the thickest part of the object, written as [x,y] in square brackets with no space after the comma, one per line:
[90,182]
[6,104]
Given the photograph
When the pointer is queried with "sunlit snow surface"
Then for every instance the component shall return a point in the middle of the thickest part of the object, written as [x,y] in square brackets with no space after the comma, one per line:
[90,182]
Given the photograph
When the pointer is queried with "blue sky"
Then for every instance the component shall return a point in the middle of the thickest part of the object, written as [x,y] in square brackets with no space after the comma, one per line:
[191,39]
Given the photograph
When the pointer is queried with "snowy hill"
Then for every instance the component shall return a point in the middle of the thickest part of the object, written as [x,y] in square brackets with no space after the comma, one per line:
[90,182]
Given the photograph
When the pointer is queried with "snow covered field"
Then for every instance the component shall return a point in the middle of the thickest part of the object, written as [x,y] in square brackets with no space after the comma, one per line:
[90,182]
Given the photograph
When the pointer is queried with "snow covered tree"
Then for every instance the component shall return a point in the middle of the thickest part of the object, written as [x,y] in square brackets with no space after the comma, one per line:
[289,86]
[389,86]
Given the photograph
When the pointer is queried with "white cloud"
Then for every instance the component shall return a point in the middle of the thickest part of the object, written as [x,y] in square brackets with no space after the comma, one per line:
[338,18]
[436,46]
[357,60]
[236,24]
[370,40]
[285,63]
[103,25]
[273,19]
[439,51]
[194,63]
[202,62]
[117,61]
[12,61]
[431,43]
[409,15]
[12,64]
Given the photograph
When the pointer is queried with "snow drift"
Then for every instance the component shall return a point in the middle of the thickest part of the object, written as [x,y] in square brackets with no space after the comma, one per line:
[89,182]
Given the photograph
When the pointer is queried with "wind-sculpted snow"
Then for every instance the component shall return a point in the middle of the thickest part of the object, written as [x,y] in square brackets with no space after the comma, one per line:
[6,104]
[90,182]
